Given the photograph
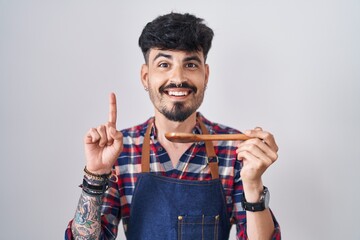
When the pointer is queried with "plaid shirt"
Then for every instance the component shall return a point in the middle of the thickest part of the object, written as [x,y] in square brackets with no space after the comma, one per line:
[191,166]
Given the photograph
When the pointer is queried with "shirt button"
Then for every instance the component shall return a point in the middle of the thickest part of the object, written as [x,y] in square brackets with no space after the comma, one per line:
[160,149]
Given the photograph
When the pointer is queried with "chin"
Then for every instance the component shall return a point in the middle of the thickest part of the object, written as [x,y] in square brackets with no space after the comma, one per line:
[178,113]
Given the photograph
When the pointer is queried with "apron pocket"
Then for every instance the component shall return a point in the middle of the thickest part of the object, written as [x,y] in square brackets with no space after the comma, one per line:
[198,227]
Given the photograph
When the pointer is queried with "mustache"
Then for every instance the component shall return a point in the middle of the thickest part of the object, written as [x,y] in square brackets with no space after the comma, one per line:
[182,85]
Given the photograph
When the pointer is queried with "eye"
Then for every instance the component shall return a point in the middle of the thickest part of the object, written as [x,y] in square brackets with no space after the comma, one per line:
[163,65]
[191,65]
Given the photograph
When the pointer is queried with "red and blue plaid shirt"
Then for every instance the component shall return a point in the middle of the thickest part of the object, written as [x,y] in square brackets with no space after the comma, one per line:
[191,166]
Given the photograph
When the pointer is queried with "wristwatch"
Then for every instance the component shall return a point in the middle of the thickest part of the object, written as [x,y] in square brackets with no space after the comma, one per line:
[258,206]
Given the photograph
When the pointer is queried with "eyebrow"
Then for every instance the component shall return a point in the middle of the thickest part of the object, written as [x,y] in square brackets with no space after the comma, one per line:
[168,56]
[192,58]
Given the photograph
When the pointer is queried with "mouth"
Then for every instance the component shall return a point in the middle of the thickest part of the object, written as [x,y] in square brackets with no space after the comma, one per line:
[178,92]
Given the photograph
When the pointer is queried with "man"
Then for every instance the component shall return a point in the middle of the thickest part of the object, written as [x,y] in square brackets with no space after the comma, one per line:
[170,190]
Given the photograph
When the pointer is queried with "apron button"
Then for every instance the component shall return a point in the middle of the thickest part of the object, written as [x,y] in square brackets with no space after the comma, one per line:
[180,217]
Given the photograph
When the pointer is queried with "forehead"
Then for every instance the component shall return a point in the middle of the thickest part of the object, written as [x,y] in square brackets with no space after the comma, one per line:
[154,53]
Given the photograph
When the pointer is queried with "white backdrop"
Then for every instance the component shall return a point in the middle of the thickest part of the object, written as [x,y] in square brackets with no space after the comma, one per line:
[291,67]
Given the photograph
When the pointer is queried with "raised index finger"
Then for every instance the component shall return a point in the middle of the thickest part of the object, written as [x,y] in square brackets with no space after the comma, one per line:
[112,109]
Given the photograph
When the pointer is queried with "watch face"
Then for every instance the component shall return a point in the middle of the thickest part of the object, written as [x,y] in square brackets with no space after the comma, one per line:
[266,198]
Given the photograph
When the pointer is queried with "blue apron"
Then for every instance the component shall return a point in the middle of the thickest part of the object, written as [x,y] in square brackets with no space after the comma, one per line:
[164,208]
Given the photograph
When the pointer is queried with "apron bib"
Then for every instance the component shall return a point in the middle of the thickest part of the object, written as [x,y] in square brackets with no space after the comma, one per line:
[164,208]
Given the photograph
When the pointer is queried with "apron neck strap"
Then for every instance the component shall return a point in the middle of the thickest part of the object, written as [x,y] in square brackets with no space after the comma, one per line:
[210,152]
[145,152]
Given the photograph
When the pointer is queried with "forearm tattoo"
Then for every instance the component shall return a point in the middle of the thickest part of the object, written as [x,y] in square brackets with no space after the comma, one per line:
[87,220]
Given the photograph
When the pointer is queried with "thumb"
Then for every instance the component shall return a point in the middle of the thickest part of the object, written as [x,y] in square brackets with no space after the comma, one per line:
[117,136]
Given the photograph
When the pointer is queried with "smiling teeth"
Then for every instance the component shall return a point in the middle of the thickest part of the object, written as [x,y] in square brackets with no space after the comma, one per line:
[178,93]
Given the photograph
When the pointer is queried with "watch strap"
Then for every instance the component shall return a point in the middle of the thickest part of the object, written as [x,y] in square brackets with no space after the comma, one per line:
[253,207]
[258,206]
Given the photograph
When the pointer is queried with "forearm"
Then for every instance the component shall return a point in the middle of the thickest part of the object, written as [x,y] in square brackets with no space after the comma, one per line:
[87,220]
[260,225]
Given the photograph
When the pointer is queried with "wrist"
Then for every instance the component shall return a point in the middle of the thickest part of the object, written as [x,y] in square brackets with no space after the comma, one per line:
[95,184]
[259,205]
[94,189]
[98,172]
[253,191]
[95,181]
[96,175]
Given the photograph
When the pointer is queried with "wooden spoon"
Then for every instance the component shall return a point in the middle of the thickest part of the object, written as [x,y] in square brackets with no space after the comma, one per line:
[191,137]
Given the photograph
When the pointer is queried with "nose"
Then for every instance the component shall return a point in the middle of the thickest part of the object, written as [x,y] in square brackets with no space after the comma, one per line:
[177,76]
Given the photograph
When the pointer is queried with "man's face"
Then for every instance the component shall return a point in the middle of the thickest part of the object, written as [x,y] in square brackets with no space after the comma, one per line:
[176,81]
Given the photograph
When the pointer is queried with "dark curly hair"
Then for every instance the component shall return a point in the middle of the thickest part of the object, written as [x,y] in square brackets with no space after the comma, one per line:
[175,31]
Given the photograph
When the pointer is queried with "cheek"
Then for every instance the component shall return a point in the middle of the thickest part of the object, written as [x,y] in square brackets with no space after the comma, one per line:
[201,82]
[156,76]
[154,86]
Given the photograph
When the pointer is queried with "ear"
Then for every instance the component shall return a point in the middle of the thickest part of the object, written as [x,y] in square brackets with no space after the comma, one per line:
[207,73]
[144,75]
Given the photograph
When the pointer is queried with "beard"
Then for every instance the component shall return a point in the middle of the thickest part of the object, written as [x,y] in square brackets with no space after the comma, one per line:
[179,111]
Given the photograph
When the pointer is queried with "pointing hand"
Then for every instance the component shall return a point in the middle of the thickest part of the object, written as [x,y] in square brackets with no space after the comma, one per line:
[104,143]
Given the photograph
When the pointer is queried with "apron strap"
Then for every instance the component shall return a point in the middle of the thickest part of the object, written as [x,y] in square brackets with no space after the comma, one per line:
[145,151]
[210,152]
